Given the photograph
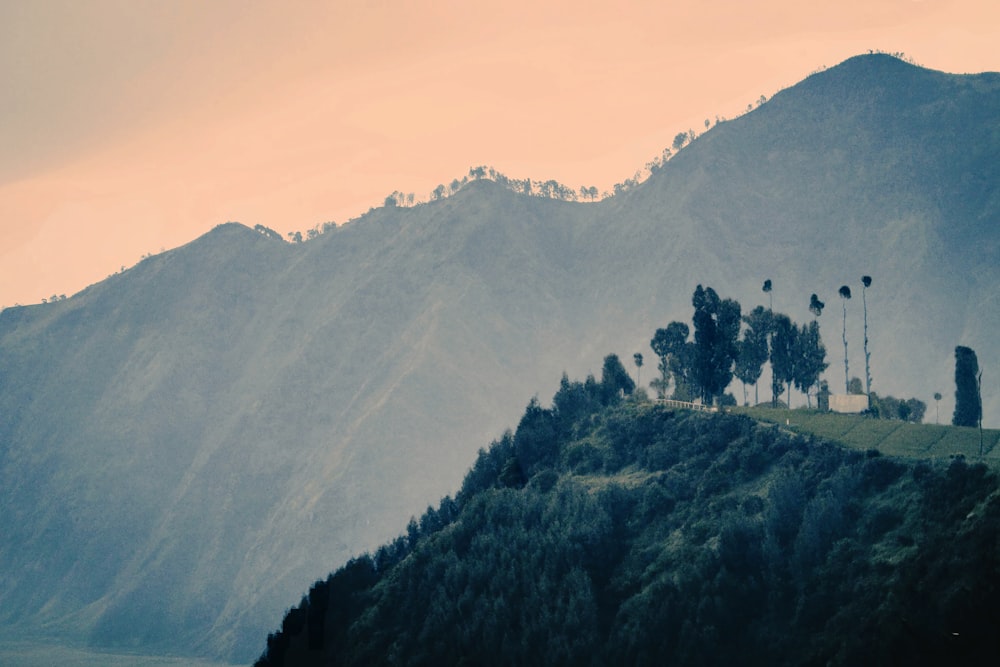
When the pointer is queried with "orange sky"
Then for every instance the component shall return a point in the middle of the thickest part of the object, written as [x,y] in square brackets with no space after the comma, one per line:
[130,126]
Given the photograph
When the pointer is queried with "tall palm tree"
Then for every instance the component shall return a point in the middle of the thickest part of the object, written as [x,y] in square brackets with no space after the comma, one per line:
[866,282]
[767,290]
[637,358]
[816,306]
[845,294]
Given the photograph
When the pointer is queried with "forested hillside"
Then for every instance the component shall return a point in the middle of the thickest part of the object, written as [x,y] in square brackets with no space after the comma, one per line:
[187,443]
[609,531]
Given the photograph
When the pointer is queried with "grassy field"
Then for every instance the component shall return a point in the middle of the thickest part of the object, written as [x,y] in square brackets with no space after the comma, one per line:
[894,438]
[18,653]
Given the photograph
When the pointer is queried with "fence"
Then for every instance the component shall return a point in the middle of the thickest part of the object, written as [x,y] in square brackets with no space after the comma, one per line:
[684,405]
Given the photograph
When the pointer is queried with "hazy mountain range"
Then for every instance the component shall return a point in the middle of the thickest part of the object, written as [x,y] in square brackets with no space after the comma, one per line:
[191,443]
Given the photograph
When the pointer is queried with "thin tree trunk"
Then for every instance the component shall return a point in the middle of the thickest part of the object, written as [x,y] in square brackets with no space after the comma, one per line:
[868,373]
[847,379]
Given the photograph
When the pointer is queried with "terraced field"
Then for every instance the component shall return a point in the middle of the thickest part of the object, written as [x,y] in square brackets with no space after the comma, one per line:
[894,438]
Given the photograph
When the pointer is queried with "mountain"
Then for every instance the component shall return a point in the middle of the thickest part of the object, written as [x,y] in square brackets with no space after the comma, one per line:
[632,533]
[186,443]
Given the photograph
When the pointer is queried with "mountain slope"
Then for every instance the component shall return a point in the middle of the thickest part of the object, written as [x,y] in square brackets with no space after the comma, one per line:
[185,443]
[634,534]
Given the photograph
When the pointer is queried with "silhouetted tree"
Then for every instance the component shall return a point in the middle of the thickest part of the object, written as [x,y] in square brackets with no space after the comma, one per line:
[810,358]
[753,349]
[783,356]
[914,410]
[716,335]
[637,358]
[615,380]
[845,294]
[767,290]
[968,403]
[937,407]
[890,407]
[672,347]
[680,140]
[816,306]
[534,438]
[866,282]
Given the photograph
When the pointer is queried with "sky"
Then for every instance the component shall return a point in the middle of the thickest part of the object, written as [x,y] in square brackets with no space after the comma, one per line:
[128,127]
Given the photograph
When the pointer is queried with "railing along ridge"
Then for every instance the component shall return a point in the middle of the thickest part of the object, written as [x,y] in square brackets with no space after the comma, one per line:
[686,405]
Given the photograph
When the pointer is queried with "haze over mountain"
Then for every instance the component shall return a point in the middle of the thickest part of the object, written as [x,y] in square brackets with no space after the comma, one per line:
[191,443]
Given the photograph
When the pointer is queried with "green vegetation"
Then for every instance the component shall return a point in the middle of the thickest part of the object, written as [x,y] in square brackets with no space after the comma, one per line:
[615,531]
[704,368]
[968,402]
[893,438]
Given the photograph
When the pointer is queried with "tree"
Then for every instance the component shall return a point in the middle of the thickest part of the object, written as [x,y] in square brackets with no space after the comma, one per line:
[672,347]
[810,358]
[637,358]
[574,399]
[767,290]
[716,335]
[615,380]
[535,438]
[816,306]
[968,403]
[753,349]
[866,282]
[783,356]
[680,140]
[937,407]
[890,407]
[845,294]
[914,410]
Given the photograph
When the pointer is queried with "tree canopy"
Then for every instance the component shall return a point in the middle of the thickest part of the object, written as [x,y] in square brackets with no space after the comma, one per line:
[968,403]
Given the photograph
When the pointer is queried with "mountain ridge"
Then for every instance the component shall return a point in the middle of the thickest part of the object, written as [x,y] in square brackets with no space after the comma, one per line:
[241,410]
[605,531]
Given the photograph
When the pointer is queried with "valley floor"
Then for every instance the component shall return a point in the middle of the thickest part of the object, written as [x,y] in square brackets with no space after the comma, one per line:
[22,653]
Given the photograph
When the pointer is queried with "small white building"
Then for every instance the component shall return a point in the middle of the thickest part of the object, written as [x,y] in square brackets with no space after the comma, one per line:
[848,403]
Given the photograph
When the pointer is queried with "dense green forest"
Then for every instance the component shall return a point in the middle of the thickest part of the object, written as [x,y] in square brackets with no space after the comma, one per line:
[608,529]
